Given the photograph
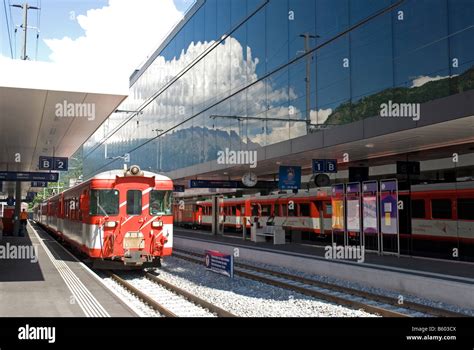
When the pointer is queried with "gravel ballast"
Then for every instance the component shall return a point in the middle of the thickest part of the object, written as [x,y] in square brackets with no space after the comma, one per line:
[248,298]
[358,286]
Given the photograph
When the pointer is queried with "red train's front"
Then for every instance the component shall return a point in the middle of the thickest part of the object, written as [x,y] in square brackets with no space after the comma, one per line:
[132,219]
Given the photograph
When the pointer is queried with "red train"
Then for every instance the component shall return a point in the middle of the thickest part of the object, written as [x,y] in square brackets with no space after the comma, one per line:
[435,219]
[117,219]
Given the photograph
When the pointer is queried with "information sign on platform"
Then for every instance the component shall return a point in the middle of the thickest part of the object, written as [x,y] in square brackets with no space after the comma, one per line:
[220,263]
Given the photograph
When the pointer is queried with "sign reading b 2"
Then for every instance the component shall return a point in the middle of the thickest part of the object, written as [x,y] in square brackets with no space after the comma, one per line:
[53,163]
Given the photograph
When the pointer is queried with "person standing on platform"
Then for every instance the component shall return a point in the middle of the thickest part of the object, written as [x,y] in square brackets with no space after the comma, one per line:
[23,222]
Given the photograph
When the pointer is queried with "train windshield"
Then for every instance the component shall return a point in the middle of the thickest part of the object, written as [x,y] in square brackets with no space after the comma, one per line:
[161,202]
[104,202]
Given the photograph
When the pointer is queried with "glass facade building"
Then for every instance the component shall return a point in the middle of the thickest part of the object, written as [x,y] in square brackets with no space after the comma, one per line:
[232,68]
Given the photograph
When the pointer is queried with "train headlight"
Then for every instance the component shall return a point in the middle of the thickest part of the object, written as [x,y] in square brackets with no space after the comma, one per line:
[135,170]
[157,224]
[110,224]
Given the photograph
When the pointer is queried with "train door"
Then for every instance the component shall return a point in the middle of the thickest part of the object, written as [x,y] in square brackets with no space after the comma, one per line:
[405,228]
[198,217]
[320,212]
[216,214]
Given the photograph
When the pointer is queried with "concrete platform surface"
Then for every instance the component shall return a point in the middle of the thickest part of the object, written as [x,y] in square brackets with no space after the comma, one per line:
[39,278]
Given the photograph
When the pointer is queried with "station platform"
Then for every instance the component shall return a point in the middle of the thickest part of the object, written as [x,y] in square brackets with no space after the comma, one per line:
[446,281]
[39,278]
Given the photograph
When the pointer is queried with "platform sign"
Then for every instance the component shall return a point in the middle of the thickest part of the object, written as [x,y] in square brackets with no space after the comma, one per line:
[389,207]
[213,184]
[60,163]
[324,166]
[42,184]
[353,193]
[369,207]
[289,178]
[45,163]
[337,202]
[408,168]
[220,263]
[319,166]
[27,176]
[53,163]
[30,196]
[178,188]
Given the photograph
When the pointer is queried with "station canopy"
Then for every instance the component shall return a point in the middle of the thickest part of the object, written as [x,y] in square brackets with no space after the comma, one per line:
[46,108]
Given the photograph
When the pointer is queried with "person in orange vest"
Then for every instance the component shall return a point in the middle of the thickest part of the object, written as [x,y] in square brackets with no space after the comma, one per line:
[23,222]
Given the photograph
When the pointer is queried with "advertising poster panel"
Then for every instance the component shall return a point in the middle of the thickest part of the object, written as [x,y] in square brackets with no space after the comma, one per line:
[369,205]
[289,178]
[353,206]
[388,207]
[337,201]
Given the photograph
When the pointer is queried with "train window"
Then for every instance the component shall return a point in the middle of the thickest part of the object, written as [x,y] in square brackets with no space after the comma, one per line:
[255,209]
[283,210]
[104,202]
[292,212]
[134,202]
[266,210]
[304,209]
[276,211]
[418,209]
[466,208]
[161,202]
[441,208]
[328,209]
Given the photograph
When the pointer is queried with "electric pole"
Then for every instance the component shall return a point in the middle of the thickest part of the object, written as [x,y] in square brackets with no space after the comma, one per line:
[158,154]
[25,8]
[306,37]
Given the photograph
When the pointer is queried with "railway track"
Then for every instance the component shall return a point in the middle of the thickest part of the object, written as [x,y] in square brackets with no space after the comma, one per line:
[373,303]
[167,299]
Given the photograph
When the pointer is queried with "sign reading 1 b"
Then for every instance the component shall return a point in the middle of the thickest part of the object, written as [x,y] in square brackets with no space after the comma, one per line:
[53,163]
[324,166]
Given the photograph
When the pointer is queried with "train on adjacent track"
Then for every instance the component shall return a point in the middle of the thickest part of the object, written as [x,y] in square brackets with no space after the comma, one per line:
[434,219]
[117,219]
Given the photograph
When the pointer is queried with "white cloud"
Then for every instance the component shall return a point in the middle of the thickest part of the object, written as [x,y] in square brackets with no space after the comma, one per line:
[208,82]
[4,58]
[321,116]
[422,80]
[117,38]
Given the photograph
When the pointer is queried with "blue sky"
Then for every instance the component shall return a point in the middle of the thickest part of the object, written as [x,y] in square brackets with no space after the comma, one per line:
[58,19]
